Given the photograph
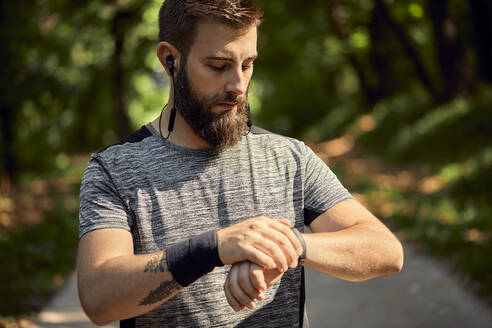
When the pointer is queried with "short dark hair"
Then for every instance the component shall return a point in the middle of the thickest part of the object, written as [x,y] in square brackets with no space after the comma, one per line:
[178,18]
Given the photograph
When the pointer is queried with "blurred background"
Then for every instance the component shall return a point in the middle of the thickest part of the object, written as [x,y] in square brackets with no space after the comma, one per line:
[395,96]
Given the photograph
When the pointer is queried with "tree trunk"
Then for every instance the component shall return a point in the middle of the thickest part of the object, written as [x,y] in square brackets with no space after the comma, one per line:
[343,32]
[449,51]
[409,49]
[381,55]
[480,19]
[9,175]
[119,29]
[8,107]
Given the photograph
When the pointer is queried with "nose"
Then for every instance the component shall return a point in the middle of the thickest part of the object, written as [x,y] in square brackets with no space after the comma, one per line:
[237,82]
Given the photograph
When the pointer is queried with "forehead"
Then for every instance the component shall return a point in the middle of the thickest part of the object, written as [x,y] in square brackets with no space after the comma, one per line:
[221,40]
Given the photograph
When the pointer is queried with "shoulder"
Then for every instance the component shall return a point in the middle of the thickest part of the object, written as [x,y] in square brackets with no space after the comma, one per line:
[130,141]
[127,153]
[270,140]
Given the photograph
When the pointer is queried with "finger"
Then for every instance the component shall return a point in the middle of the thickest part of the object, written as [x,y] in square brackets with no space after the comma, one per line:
[257,277]
[241,297]
[270,247]
[288,248]
[287,232]
[261,258]
[235,305]
[231,300]
[272,276]
[284,244]
[245,282]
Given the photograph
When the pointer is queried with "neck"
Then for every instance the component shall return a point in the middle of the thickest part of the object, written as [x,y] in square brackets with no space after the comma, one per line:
[182,134]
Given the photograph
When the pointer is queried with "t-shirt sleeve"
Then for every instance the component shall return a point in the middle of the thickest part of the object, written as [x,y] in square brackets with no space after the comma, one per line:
[101,206]
[322,189]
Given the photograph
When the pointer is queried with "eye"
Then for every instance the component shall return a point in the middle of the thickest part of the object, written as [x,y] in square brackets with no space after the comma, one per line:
[218,68]
[247,66]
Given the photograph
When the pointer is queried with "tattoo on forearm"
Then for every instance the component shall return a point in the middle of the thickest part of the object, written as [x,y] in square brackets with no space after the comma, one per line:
[165,289]
[156,265]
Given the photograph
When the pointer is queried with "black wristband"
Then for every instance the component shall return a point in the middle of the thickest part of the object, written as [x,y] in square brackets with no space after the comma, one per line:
[302,257]
[190,259]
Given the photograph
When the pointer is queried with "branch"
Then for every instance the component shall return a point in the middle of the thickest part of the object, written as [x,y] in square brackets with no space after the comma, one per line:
[410,51]
[343,32]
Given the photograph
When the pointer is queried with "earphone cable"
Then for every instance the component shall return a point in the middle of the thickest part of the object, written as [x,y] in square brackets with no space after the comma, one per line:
[172,118]
[160,130]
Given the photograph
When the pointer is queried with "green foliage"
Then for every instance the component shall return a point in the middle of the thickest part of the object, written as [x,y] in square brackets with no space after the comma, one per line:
[410,129]
[453,140]
[472,185]
[454,222]
[59,78]
[301,68]
[321,66]
[453,131]
[35,259]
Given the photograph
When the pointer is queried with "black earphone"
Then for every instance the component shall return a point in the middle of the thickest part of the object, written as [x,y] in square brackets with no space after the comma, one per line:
[170,64]
[172,118]
[249,124]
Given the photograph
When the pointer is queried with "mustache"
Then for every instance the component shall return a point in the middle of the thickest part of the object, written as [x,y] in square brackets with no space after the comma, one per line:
[227,97]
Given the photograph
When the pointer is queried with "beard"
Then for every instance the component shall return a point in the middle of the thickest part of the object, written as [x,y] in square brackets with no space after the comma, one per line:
[217,130]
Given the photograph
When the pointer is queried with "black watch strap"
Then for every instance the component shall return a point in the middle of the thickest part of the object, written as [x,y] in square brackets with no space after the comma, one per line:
[302,257]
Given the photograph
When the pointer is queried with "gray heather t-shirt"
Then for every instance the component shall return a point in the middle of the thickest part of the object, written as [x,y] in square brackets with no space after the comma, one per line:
[163,193]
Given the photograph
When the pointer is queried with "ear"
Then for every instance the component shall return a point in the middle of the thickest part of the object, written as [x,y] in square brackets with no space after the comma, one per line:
[165,49]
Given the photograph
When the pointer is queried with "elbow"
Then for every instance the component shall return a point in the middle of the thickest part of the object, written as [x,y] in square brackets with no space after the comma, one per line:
[94,309]
[95,315]
[395,258]
[99,321]
[389,262]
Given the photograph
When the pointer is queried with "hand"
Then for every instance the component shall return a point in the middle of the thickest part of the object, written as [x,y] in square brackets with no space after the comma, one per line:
[270,243]
[246,282]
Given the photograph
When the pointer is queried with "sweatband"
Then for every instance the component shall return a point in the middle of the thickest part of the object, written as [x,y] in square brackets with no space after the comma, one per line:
[190,259]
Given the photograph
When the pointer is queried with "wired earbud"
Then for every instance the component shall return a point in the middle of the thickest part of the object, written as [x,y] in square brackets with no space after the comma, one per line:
[172,118]
[170,64]
[249,123]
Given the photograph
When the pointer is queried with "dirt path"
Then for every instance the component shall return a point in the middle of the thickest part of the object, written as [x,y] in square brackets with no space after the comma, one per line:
[424,294]
[65,310]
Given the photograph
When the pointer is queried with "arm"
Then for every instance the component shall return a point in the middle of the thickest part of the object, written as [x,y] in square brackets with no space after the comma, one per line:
[350,243]
[115,284]
[347,242]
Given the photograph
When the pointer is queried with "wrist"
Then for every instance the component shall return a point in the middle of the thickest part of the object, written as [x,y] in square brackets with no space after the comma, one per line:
[190,259]
[302,257]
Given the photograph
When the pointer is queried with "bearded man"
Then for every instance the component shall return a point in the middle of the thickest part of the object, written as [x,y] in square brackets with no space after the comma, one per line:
[194,219]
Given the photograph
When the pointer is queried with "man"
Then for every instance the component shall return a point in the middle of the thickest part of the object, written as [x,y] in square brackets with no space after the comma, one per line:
[193,226]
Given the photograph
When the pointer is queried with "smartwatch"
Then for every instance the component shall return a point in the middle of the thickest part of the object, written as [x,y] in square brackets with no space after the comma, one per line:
[302,257]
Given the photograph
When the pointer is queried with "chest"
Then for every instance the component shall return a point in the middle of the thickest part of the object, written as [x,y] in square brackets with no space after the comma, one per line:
[197,198]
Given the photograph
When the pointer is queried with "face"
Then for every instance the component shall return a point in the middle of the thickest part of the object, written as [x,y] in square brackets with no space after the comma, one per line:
[211,87]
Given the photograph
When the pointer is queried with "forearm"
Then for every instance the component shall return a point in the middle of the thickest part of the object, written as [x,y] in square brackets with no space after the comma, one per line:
[114,284]
[126,286]
[356,253]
